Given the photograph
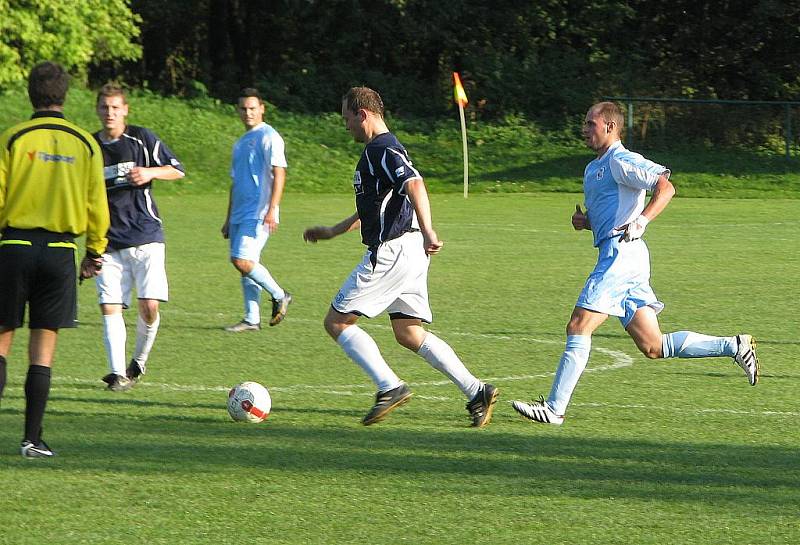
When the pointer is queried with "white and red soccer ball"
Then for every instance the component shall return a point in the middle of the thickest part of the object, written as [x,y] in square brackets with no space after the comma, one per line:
[249,402]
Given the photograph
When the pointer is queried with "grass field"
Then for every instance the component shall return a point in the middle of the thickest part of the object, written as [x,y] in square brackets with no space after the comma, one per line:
[666,452]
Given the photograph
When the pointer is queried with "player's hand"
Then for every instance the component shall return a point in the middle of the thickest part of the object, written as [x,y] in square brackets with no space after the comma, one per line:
[90,266]
[431,243]
[580,220]
[270,223]
[316,233]
[225,230]
[633,230]
[140,176]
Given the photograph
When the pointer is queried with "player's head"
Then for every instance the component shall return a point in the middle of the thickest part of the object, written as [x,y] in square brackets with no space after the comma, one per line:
[603,125]
[112,108]
[47,85]
[250,107]
[361,106]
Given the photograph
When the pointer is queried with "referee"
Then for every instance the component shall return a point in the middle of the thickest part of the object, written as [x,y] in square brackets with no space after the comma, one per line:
[52,190]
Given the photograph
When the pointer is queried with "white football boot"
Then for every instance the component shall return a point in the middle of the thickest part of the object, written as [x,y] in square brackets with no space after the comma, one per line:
[538,411]
[746,357]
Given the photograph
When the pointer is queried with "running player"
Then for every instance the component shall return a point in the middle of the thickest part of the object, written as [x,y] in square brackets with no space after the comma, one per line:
[394,215]
[614,186]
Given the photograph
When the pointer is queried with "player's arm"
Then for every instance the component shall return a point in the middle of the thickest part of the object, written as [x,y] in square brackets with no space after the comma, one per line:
[418,195]
[321,232]
[662,194]
[226,226]
[278,182]
[98,218]
[142,175]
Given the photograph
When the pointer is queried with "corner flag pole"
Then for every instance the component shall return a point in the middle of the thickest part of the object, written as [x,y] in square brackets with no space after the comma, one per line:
[461,100]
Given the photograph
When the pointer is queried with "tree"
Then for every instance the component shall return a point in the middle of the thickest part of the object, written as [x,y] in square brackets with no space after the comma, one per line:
[75,33]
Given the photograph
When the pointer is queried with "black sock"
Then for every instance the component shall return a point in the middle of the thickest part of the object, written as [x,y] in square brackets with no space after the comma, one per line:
[2,375]
[37,390]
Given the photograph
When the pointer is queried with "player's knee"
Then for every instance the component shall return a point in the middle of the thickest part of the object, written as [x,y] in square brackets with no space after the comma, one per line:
[407,340]
[244,266]
[651,352]
[334,325]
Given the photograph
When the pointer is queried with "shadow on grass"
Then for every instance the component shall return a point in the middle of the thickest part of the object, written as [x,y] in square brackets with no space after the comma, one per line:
[523,464]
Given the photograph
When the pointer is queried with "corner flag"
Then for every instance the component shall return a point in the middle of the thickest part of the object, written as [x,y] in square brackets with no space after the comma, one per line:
[459,94]
[461,99]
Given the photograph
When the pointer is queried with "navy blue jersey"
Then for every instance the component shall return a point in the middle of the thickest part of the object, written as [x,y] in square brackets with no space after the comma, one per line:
[379,183]
[134,215]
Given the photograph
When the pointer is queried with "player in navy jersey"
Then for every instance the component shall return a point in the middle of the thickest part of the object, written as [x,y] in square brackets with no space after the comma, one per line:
[394,215]
[614,186]
[133,158]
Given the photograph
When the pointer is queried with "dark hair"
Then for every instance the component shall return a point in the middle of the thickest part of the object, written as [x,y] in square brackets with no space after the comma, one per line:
[248,92]
[111,89]
[358,98]
[47,85]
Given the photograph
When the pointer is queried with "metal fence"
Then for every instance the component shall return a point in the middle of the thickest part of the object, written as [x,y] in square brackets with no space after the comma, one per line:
[786,105]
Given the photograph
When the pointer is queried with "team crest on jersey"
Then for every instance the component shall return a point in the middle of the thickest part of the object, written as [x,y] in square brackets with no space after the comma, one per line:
[601,173]
[357,183]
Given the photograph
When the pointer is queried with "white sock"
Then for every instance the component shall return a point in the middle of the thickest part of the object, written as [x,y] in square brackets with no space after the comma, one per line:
[252,301]
[114,338]
[361,348]
[441,357]
[573,362]
[687,344]
[260,275]
[145,337]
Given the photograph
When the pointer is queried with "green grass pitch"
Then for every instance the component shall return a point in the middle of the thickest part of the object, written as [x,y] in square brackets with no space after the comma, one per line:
[653,452]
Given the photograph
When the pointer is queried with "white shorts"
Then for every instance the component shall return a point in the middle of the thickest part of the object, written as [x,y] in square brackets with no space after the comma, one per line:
[619,285]
[248,239]
[398,283]
[141,267]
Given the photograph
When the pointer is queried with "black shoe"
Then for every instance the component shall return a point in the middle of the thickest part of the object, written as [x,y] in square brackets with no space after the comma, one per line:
[117,383]
[481,406]
[29,449]
[279,307]
[386,402]
[134,371]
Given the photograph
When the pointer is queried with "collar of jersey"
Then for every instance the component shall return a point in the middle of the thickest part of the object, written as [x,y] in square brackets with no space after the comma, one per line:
[47,113]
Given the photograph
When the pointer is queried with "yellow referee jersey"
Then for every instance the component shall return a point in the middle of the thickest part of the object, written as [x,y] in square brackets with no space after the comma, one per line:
[51,177]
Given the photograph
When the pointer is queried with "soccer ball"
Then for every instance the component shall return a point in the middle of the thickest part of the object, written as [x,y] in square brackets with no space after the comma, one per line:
[249,402]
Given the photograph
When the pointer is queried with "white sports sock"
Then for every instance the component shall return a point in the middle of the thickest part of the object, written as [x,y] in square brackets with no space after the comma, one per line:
[361,348]
[145,337]
[573,362]
[252,300]
[260,275]
[114,338]
[441,357]
[687,344]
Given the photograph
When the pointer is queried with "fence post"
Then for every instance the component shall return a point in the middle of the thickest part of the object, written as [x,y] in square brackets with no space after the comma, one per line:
[630,123]
[788,131]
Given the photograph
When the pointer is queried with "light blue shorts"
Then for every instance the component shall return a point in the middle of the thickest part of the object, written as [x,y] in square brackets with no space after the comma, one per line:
[619,285]
[248,239]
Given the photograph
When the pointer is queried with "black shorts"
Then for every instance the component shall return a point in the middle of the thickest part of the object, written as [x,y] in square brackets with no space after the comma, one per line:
[37,268]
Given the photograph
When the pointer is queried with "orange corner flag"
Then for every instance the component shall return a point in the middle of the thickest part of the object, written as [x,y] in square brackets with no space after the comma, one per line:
[459,94]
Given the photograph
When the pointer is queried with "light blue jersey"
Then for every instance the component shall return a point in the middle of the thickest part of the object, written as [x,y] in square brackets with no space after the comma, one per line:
[254,155]
[614,187]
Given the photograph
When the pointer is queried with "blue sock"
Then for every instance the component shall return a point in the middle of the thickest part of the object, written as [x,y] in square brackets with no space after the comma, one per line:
[260,275]
[252,301]
[687,344]
[573,362]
